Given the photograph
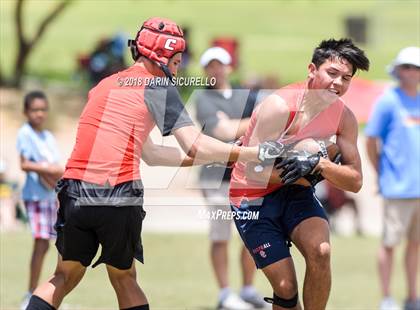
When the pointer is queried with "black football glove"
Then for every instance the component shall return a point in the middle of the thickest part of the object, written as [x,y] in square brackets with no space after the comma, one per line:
[317,177]
[298,164]
[270,150]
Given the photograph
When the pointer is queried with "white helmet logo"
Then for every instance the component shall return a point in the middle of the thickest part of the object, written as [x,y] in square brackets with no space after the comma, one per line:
[168,44]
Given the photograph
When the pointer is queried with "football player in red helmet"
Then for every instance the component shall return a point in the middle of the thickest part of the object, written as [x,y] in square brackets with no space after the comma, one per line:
[101,191]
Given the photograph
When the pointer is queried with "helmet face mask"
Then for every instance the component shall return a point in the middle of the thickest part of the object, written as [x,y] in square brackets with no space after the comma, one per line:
[158,39]
[133,49]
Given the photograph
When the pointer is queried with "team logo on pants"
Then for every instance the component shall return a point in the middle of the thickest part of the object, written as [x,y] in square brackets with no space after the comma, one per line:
[260,249]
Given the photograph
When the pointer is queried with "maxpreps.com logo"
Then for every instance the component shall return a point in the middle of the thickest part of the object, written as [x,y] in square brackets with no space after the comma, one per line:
[260,249]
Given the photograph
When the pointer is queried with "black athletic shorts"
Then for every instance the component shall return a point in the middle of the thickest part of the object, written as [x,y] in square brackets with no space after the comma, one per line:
[90,215]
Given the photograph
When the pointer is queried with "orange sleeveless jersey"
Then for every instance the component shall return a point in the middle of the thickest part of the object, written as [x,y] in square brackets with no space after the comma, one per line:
[112,129]
[324,125]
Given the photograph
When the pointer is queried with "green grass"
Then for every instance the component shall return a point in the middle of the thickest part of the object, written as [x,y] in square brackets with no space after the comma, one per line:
[177,274]
[275,36]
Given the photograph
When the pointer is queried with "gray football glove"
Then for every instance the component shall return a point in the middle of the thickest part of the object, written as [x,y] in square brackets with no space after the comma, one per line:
[269,151]
[297,164]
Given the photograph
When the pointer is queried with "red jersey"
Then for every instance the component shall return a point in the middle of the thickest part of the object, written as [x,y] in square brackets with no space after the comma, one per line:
[322,126]
[116,121]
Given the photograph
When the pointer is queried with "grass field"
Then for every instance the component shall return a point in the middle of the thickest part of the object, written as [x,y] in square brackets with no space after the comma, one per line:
[275,36]
[177,274]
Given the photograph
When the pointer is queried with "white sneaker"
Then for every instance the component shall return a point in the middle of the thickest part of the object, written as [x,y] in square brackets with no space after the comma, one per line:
[255,299]
[234,302]
[389,303]
[25,301]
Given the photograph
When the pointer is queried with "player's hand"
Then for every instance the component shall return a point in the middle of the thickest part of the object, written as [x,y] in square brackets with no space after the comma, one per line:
[270,150]
[317,177]
[297,165]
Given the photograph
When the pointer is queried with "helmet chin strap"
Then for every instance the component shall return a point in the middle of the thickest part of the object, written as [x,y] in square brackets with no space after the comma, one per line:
[166,70]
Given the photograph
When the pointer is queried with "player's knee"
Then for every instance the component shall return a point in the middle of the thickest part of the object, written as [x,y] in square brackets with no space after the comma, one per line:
[285,288]
[61,278]
[124,284]
[66,279]
[324,251]
[320,253]
[121,280]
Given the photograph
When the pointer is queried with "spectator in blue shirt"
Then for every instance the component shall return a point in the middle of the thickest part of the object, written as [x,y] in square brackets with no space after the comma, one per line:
[39,159]
[393,147]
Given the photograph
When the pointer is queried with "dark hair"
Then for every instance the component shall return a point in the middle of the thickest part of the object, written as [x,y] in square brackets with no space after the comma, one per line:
[343,48]
[31,96]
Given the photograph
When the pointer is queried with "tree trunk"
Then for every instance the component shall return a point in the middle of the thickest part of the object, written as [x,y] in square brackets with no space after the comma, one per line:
[2,81]
[25,46]
[20,63]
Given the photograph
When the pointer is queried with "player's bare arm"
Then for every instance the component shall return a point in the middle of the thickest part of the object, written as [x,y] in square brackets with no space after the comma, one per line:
[228,129]
[205,148]
[348,175]
[162,155]
[272,117]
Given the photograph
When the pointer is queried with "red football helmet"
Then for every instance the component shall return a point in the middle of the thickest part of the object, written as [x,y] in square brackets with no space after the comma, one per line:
[158,39]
